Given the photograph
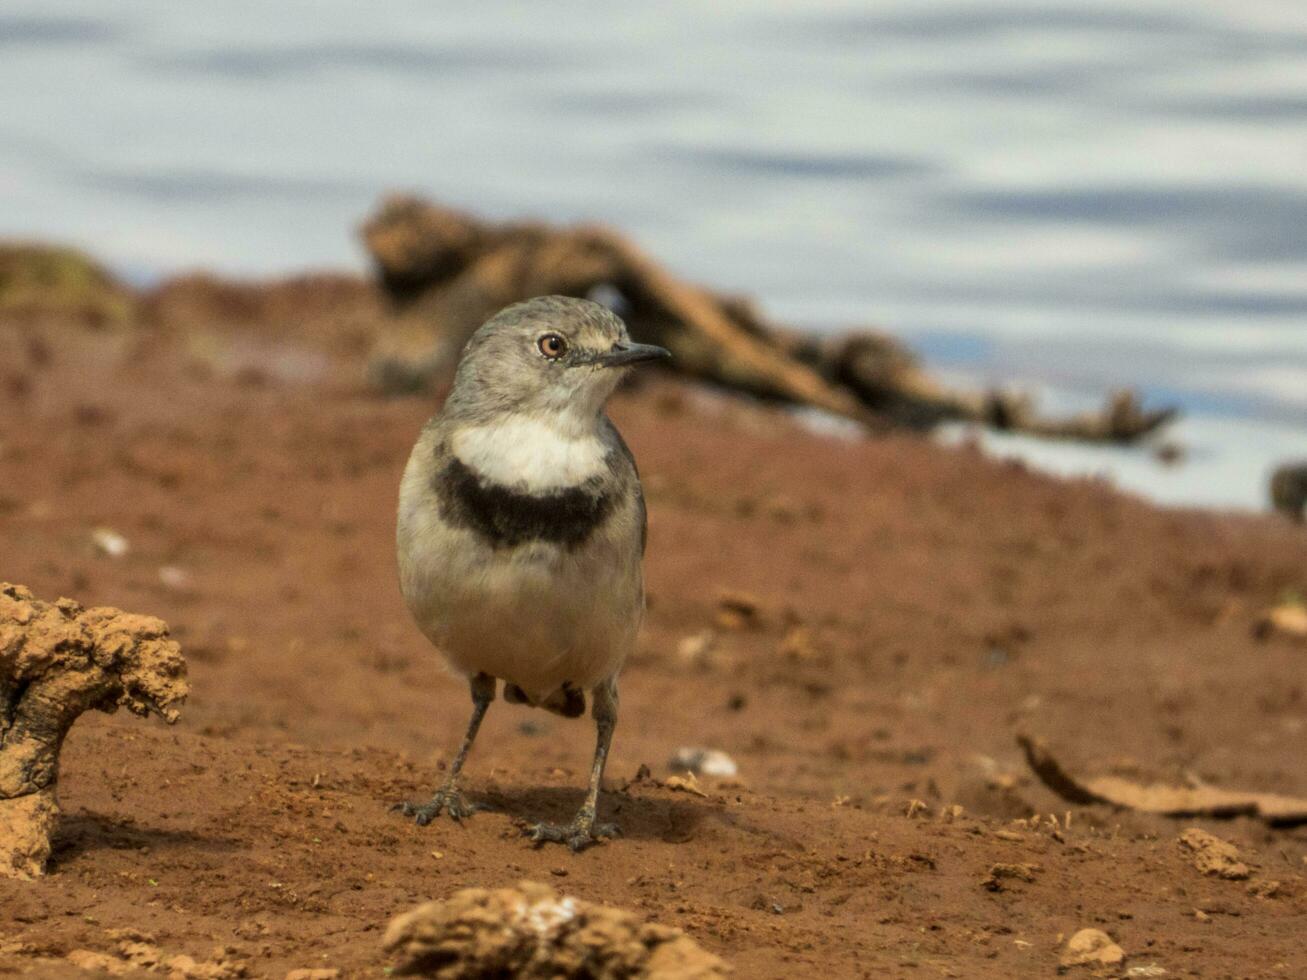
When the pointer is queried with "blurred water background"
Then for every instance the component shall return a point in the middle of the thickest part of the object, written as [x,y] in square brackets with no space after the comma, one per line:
[1070,195]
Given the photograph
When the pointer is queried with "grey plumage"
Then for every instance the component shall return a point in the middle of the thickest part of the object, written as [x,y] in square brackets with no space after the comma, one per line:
[522,525]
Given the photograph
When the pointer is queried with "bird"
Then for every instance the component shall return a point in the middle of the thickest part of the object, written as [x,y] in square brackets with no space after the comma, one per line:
[521,531]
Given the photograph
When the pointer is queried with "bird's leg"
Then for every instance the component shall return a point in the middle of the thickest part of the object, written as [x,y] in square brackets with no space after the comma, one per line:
[583,831]
[448,798]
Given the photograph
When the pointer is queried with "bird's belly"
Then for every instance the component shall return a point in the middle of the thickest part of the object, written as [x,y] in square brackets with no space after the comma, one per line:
[538,615]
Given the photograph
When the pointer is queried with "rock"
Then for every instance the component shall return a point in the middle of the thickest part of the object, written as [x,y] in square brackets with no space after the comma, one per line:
[109,542]
[696,649]
[312,974]
[703,762]
[1286,619]
[532,932]
[1213,856]
[176,579]
[1091,947]
[798,645]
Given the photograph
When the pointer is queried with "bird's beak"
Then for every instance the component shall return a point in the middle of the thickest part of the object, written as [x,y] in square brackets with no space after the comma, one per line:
[628,353]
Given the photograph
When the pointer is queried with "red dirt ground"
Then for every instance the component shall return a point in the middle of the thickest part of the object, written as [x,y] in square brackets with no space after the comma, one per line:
[919,606]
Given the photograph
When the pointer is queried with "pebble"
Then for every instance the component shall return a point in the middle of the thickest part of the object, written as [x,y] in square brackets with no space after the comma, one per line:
[703,762]
[109,542]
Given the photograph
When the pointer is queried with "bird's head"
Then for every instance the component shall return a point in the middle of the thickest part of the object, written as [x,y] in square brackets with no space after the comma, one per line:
[552,355]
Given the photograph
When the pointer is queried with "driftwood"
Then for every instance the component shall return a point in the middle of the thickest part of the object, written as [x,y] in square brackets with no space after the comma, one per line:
[448,272]
[58,660]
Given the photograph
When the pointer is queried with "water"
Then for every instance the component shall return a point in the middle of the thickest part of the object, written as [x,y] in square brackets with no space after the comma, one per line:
[1071,195]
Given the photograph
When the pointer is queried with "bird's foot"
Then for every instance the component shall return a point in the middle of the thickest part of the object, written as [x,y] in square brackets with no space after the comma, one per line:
[581,833]
[450,800]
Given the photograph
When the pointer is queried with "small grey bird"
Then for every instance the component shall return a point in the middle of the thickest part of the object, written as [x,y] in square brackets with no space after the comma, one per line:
[522,528]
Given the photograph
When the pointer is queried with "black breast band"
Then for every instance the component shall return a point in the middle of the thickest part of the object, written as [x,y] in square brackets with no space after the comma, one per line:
[506,517]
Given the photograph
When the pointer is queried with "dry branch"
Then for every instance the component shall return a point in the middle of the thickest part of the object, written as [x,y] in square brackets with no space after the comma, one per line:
[1169,801]
[449,272]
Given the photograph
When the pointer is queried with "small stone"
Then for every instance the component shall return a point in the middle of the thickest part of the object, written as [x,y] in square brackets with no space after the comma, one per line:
[175,579]
[309,973]
[1287,619]
[1091,947]
[696,649]
[109,542]
[738,610]
[703,762]
[799,646]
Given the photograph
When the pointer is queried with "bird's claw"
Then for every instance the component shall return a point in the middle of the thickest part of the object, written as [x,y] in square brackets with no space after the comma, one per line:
[450,801]
[577,835]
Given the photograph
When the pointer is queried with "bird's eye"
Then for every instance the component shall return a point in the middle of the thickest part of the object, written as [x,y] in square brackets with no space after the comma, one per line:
[552,346]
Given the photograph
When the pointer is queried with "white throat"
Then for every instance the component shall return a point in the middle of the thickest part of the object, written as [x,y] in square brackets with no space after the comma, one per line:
[528,453]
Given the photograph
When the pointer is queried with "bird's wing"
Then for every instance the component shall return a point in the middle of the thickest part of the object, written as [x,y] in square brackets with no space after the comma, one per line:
[614,438]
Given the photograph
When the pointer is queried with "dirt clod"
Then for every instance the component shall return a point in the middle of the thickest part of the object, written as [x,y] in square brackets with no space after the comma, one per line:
[1092,947]
[57,661]
[531,931]
[93,962]
[1003,872]
[1213,856]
